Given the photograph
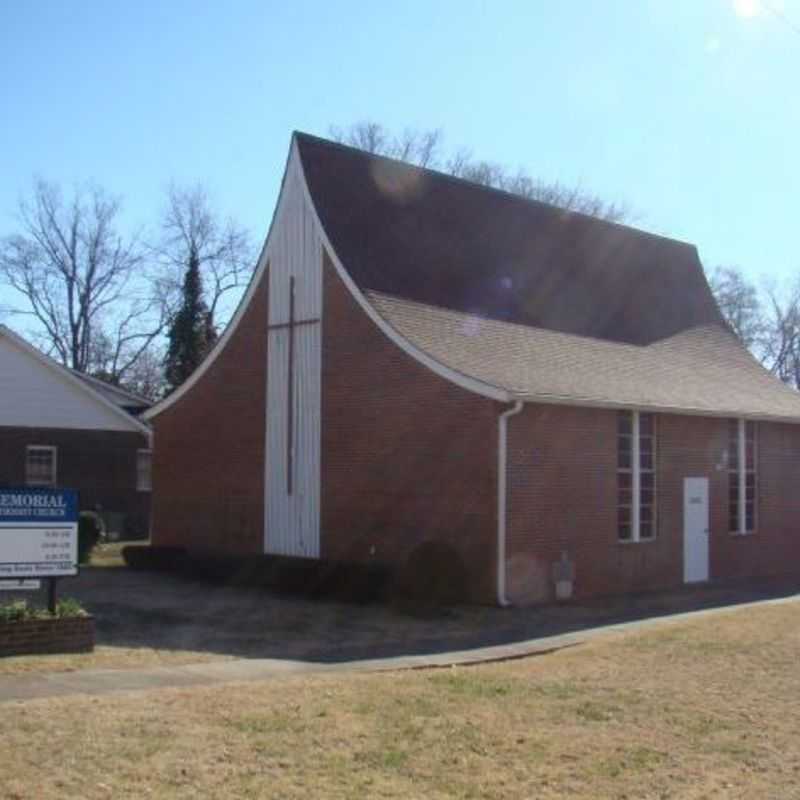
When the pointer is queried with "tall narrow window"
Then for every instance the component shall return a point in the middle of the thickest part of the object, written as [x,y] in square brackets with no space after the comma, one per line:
[144,461]
[40,465]
[741,476]
[636,476]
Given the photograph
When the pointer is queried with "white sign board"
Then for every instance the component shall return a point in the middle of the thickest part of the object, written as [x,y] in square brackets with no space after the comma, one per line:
[38,552]
[38,533]
[19,585]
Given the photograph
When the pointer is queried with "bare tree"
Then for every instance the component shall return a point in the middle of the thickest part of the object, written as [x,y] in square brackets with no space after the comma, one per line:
[191,230]
[781,341]
[416,147]
[740,304]
[765,318]
[146,376]
[423,148]
[81,280]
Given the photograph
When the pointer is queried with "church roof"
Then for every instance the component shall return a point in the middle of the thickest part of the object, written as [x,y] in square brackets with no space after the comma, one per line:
[536,302]
[439,240]
[701,370]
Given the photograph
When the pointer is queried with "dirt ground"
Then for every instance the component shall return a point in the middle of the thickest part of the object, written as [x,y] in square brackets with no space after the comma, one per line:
[147,617]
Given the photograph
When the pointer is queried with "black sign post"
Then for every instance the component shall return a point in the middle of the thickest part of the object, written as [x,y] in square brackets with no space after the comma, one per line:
[51,595]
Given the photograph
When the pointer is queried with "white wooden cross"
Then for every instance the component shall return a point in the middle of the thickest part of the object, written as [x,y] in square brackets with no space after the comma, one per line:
[290,326]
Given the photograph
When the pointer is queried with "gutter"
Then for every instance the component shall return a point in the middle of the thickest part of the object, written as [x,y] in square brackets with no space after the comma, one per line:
[502,500]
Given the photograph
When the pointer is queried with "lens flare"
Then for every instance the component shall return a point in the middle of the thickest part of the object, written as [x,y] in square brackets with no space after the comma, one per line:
[746,8]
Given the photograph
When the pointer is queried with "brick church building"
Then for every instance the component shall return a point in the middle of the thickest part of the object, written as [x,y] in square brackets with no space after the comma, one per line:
[419,358]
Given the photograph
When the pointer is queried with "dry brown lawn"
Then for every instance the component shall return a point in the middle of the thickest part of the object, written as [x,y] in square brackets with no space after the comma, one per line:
[705,709]
[105,658]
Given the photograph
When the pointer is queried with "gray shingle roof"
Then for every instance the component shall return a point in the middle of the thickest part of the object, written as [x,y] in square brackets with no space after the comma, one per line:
[702,370]
[420,234]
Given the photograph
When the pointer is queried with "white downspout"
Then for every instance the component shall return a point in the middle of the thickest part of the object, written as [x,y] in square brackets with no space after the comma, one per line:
[502,450]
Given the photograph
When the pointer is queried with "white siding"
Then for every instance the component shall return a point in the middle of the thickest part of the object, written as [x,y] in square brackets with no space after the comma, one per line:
[34,395]
[292,520]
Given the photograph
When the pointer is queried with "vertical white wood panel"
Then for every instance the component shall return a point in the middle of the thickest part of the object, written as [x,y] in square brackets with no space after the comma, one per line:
[292,521]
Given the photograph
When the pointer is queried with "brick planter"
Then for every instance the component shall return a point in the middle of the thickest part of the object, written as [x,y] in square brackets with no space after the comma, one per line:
[40,636]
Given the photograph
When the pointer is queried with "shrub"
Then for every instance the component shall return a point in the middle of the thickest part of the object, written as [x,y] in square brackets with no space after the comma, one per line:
[88,537]
[69,607]
[353,582]
[21,610]
[153,558]
[15,612]
[433,577]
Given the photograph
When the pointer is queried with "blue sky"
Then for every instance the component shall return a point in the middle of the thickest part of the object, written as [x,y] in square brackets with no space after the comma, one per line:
[688,110]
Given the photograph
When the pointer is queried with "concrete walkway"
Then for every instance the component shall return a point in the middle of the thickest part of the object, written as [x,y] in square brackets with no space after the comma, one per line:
[30,686]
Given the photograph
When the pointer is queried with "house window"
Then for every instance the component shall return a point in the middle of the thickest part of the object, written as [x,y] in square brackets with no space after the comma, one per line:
[636,476]
[144,463]
[741,476]
[40,465]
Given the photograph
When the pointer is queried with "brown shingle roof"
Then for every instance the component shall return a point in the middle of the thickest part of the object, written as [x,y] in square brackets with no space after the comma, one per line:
[432,238]
[703,370]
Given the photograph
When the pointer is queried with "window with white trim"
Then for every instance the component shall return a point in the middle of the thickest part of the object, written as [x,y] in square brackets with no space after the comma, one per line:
[741,476]
[40,465]
[636,476]
[144,465]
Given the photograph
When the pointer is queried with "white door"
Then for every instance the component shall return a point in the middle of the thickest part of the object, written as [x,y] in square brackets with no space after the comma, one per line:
[695,529]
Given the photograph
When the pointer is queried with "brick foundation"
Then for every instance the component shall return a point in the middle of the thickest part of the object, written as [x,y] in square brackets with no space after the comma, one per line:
[42,636]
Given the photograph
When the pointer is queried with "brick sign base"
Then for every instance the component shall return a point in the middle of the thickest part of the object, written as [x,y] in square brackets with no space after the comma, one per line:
[41,636]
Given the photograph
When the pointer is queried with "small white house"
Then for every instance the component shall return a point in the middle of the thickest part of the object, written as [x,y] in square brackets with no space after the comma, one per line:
[60,429]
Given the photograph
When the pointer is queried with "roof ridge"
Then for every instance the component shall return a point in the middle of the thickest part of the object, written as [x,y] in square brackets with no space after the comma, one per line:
[85,376]
[492,189]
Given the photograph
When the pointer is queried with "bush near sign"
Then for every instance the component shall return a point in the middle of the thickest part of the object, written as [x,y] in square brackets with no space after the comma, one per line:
[38,533]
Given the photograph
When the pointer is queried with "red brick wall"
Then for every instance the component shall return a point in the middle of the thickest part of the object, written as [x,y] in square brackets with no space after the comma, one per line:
[775,547]
[406,455]
[39,636]
[562,497]
[101,465]
[208,460]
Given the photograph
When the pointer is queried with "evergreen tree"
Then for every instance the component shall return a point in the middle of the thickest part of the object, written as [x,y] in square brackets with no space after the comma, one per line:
[191,332]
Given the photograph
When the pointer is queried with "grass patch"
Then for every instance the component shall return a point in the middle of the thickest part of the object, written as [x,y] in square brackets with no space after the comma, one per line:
[674,717]
[471,683]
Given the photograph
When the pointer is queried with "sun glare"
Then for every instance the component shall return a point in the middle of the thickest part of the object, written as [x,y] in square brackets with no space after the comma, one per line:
[747,8]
